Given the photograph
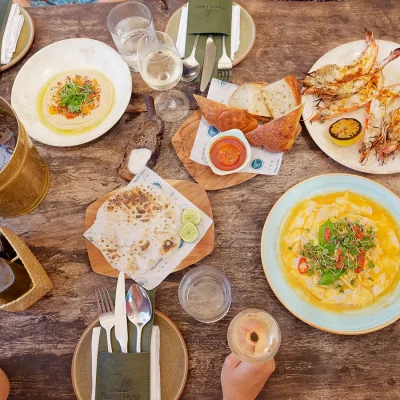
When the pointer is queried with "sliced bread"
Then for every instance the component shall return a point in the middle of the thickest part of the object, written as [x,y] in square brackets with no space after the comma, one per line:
[282,96]
[225,118]
[249,97]
[279,134]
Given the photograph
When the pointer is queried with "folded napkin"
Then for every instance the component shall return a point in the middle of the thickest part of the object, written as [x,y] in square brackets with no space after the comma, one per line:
[235,31]
[5,8]
[95,350]
[155,378]
[134,374]
[11,34]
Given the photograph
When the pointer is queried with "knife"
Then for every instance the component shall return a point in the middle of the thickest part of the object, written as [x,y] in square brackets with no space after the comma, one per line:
[121,323]
[209,61]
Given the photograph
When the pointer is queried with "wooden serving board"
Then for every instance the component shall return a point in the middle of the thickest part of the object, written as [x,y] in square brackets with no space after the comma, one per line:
[183,141]
[193,192]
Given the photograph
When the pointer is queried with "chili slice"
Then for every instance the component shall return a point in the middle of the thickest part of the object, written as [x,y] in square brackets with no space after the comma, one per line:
[327,234]
[339,264]
[303,266]
[361,262]
[358,232]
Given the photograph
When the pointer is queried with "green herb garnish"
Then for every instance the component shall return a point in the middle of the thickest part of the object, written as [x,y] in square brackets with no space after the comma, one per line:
[74,96]
[340,249]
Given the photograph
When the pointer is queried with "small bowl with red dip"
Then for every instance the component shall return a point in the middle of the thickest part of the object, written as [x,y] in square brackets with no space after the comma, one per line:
[228,152]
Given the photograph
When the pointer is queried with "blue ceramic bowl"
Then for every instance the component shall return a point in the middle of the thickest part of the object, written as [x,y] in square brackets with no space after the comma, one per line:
[382,312]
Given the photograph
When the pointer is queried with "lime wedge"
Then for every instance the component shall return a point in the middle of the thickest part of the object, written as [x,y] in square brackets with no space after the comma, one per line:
[189,232]
[191,215]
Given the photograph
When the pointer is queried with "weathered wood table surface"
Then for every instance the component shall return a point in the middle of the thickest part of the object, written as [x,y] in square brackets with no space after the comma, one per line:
[36,346]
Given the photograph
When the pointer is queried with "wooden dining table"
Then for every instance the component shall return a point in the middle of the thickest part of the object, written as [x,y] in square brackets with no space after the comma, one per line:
[36,346]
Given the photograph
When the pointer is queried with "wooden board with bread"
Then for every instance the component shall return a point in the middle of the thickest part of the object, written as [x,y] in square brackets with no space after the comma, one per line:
[267,114]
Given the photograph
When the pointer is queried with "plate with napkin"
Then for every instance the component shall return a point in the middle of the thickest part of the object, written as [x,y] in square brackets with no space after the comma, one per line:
[16,34]
[164,371]
[242,34]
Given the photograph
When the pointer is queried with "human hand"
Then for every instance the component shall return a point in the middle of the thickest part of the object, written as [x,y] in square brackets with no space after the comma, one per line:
[243,381]
[4,386]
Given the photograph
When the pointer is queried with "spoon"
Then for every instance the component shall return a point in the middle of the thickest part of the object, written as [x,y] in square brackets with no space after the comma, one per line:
[191,67]
[138,311]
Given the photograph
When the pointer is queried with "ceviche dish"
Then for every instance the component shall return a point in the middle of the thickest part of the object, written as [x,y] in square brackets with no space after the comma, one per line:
[340,250]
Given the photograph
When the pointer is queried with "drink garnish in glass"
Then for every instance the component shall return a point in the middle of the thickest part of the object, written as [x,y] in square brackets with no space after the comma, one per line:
[254,336]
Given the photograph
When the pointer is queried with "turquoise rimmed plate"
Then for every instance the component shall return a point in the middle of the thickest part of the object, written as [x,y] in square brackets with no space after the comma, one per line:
[381,313]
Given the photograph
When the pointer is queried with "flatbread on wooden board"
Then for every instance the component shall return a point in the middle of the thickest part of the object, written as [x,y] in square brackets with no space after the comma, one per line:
[134,228]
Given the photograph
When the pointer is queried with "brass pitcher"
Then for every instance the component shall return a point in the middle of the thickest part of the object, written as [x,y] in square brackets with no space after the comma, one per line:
[24,180]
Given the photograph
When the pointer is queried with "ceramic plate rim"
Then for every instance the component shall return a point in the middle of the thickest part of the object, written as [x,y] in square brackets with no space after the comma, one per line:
[335,155]
[267,273]
[253,41]
[27,17]
[121,98]
[161,315]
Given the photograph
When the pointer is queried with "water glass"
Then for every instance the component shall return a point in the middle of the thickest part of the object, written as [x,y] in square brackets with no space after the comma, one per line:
[205,294]
[127,23]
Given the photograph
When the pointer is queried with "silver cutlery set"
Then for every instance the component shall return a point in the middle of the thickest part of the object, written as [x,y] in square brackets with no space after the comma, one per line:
[135,306]
[191,67]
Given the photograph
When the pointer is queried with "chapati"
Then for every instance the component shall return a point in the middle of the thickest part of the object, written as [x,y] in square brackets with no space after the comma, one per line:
[135,228]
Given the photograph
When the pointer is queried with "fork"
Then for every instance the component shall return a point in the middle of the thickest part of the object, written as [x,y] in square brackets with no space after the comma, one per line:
[105,307]
[224,64]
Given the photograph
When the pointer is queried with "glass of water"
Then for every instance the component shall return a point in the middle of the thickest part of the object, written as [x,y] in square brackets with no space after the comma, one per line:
[127,23]
[205,294]
[161,67]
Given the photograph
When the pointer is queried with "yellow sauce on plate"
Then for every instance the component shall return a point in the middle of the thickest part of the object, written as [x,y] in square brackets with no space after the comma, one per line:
[46,87]
[302,224]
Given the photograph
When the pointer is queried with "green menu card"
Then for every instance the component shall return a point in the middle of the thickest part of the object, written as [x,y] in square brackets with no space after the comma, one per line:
[209,17]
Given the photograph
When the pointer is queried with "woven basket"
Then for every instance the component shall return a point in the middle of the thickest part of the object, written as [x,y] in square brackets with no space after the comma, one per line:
[41,282]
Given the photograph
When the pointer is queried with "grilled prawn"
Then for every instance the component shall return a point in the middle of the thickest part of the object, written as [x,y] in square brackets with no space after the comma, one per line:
[358,100]
[333,73]
[343,90]
[391,132]
[374,136]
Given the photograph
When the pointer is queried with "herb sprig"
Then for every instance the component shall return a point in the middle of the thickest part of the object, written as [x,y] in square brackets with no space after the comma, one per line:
[341,248]
[74,96]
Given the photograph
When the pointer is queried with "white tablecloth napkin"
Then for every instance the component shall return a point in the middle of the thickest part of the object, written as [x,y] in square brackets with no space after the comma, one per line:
[235,31]
[155,378]
[11,34]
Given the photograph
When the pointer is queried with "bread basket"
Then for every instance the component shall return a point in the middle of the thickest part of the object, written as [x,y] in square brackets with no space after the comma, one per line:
[41,283]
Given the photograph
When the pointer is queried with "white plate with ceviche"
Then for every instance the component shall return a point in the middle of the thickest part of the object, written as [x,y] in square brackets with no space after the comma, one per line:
[331,254]
[80,90]
[345,83]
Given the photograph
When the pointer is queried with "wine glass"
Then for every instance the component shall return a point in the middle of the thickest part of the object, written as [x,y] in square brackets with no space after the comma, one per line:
[161,67]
